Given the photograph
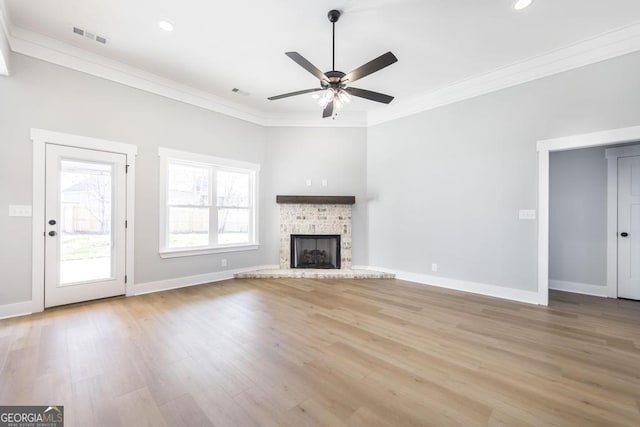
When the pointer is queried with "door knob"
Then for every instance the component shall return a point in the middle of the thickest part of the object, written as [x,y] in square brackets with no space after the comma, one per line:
[624,234]
[52,233]
[52,222]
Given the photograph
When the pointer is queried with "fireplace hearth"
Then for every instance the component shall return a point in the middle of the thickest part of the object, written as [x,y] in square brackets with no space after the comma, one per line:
[315,251]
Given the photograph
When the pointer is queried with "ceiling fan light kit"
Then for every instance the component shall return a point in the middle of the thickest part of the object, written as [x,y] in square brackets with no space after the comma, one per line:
[522,4]
[336,84]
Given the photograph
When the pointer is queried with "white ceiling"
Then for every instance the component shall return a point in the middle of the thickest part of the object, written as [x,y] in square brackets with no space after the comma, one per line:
[219,45]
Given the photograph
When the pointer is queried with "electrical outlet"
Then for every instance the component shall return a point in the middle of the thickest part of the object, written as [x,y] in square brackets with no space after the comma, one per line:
[20,210]
[223,262]
[528,214]
[434,267]
[324,182]
[308,182]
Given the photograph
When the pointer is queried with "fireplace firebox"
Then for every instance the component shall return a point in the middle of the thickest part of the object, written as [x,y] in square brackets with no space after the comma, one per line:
[315,251]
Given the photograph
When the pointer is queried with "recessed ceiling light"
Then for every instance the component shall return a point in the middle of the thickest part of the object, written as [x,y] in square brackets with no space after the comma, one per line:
[521,4]
[165,25]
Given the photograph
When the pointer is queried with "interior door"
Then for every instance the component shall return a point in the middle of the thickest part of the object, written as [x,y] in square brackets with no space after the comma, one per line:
[629,227]
[85,210]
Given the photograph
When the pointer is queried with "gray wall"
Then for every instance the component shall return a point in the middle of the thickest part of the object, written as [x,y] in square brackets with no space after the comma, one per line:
[42,95]
[445,186]
[297,154]
[578,216]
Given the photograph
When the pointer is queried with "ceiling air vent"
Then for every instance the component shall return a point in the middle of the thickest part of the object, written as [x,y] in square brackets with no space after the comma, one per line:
[89,35]
[239,92]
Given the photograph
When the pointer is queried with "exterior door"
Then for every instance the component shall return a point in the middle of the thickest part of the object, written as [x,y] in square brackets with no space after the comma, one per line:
[85,213]
[629,227]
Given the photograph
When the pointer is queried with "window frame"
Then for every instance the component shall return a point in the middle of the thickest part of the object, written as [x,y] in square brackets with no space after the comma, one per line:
[214,164]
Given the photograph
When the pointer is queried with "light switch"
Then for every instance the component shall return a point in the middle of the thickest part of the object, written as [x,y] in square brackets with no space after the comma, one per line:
[20,210]
[308,182]
[324,182]
[527,214]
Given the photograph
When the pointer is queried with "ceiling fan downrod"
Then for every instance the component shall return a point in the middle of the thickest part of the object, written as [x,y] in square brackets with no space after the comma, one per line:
[334,15]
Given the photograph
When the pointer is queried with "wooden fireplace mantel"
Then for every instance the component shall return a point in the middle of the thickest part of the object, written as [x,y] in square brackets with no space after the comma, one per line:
[317,200]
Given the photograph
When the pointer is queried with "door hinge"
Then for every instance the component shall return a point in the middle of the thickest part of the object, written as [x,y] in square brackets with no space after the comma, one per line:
[125,278]
[126,169]
[126,223]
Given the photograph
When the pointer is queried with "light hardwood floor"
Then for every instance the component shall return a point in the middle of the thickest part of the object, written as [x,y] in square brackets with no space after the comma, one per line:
[336,352]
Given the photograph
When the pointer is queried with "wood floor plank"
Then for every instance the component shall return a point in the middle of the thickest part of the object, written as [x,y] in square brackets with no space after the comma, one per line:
[308,352]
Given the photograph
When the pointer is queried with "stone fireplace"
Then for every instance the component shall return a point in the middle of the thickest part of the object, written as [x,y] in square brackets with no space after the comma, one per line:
[316,221]
[315,217]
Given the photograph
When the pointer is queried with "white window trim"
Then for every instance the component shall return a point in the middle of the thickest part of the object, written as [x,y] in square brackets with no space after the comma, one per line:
[165,155]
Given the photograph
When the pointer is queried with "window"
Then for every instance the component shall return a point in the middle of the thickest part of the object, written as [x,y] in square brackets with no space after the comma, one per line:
[207,204]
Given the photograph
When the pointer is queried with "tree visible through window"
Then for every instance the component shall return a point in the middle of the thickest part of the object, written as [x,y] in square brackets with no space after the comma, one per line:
[233,207]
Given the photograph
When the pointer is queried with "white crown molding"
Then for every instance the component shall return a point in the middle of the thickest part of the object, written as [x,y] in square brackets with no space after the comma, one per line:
[56,52]
[595,49]
[59,53]
[344,119]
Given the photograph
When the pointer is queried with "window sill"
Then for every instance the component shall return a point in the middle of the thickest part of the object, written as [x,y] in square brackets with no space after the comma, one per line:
[175,253]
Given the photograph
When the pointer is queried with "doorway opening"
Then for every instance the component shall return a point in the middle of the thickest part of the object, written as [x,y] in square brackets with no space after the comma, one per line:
[607,139]
[581,203]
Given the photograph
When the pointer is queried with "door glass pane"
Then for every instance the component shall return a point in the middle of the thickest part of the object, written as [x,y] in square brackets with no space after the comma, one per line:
[86,238]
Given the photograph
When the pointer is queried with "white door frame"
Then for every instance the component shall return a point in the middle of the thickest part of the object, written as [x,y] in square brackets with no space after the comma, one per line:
[544,147]
[42,137]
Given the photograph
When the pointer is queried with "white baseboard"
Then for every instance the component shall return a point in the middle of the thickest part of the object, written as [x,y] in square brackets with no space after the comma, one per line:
[578,288]
[530,297]
[16,309]
[199,279]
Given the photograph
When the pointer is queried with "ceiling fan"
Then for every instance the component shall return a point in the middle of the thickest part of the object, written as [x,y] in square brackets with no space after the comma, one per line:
[336,84]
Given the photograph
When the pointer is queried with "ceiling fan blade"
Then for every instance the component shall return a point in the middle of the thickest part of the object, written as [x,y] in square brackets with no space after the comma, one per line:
[328,110]
[367,94]
[301,61]
[300,92]
[370,67]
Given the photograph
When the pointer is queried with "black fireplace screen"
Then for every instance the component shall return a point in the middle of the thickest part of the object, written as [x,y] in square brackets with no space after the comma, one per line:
[315,251]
